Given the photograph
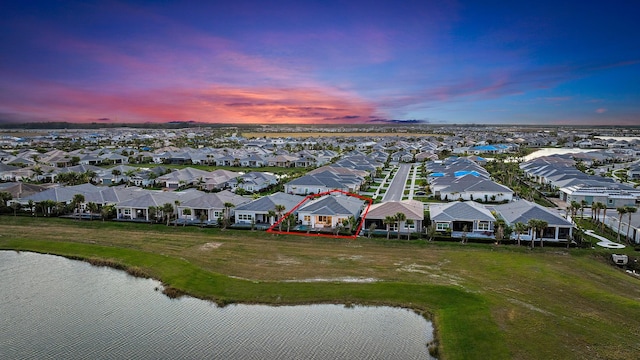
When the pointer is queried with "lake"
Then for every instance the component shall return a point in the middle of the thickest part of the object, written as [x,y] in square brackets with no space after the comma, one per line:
[53,307]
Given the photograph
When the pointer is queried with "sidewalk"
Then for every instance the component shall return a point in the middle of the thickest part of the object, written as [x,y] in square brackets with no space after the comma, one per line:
[604,242]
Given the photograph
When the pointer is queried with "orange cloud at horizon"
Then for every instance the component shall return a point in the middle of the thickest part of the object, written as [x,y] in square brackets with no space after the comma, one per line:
[214,104]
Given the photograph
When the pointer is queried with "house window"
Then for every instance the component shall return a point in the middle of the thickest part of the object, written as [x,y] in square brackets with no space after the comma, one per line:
[247,217]
[127,211]
[442,226]
[483,225]
[307,218]
[322,218]
[217,214]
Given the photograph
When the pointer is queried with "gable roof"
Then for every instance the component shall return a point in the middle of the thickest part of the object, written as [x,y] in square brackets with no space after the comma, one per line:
[412,209]
[523,210]
[333,205]
[460,211]
[215,200]
[269,202]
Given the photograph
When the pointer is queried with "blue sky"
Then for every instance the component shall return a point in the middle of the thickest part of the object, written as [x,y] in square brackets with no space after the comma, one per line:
[318,62]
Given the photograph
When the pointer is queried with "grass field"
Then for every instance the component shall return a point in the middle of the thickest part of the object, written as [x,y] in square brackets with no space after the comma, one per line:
[487,302]
[296,135]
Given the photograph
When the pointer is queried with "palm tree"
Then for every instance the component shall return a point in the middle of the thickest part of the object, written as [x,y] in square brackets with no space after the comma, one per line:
[93,208]
[227,212]
[604,216]
[76,201]
[152,212]
[463,238]
[47,207]
[89,175]
[538,226]
[31,205]
[574,209]
[185,212]
[372,228]
[5,197]
[129,174]
[431,232]
[583,204]
[499,234]
[520,228]
[400,218]
[116,173]
[351,222]
[290,220]
[630,210]
[621,211]
[388,220]
[533,225]
[167,210]
[176,203]
[108,210]
[409,222]
[16,206]
[595,211]
[271,214]
[279,210]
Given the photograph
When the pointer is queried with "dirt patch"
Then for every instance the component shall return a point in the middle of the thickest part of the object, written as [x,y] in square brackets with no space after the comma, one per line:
[338,280]
[528,306]
[210,246]
[284,260]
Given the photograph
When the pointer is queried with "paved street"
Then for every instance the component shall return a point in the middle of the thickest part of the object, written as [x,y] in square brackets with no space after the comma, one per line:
[396,188]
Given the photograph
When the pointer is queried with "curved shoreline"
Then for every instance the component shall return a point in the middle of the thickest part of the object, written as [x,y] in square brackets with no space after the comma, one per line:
[341,293]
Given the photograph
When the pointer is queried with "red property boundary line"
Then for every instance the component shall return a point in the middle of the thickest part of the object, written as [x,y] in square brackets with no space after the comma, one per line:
[272,229]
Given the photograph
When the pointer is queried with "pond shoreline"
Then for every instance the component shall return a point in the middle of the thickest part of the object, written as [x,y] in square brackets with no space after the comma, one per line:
[175,293]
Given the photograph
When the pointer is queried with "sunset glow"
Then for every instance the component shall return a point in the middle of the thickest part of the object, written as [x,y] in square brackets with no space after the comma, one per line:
[321,63]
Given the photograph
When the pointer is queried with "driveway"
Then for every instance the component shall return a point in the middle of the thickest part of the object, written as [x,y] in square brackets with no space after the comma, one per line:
[396,188]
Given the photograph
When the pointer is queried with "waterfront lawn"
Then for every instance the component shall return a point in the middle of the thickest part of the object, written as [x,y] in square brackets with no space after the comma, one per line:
[487,302]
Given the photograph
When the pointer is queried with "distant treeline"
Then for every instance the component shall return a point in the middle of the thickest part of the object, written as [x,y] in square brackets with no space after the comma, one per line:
[107,125]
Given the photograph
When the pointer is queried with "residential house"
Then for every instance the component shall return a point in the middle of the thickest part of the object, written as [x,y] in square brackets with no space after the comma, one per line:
[258,210]
[461,217]
[209,207]
[522,211]
[183,177]
[329,211]
[322,182]
[219,179]
[412,209]
[613,195]
[252,181]
[137,208]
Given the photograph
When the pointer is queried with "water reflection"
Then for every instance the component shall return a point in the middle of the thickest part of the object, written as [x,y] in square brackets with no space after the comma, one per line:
[53,307]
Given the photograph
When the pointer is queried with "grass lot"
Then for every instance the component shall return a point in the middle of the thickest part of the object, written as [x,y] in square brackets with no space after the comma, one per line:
[250,135]
[487,302]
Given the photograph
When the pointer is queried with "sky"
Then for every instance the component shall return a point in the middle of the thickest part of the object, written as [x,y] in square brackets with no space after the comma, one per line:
[321,62]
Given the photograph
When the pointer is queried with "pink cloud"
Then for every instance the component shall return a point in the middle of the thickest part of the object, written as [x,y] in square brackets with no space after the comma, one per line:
[215,104]
[601,110]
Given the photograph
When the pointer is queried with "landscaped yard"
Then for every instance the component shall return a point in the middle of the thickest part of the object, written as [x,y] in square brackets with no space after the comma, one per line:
[488,302]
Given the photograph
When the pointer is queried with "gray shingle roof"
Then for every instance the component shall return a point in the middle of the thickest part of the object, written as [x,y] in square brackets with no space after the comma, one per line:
[460,211]
[333,205]
[523,210]
[267,203]
[413,209]
[215,200]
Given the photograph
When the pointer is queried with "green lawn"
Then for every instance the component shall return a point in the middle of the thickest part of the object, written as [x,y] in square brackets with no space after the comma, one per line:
[487,302]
